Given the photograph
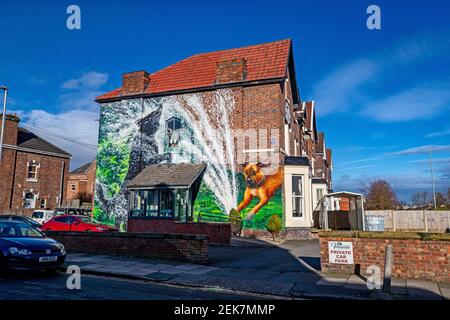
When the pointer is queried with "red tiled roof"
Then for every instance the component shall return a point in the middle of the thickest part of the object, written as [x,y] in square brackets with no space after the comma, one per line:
[263,61]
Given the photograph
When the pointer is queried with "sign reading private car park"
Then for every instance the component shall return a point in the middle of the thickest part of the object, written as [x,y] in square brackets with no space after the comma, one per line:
[340,252]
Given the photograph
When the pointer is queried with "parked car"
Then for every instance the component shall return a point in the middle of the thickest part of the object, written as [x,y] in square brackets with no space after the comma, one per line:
[23,247]
[76,223]
[23,219]
[42,216]
[73,211]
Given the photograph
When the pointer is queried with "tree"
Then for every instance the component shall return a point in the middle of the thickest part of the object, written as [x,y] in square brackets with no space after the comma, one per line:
[421,199]
[380,196]
[440,200]
[274,225]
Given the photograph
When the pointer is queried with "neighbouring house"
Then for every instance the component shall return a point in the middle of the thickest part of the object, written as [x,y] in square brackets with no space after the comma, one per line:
[238,112]
[33,171]
[81,185]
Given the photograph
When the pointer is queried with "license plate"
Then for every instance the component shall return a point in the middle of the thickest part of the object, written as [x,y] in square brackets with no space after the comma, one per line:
[48,259]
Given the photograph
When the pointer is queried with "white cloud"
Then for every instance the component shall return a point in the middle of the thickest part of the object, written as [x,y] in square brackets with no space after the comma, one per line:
[352,84]
[421,150]
[88,80]
[340,89]
[74,131]
[82,91]
[437,134]
[75,128]
[415,103]
[404,184]
[404,152]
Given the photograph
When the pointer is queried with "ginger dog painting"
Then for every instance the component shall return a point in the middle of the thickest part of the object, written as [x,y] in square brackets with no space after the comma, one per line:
[259,185]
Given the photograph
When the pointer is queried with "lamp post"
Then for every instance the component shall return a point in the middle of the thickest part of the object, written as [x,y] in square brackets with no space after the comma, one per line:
[432,177]
[5,89]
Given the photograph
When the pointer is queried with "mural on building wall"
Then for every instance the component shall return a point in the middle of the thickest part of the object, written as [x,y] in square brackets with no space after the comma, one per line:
[135,133]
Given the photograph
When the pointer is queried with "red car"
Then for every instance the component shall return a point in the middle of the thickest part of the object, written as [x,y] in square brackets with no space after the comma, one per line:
[75,223]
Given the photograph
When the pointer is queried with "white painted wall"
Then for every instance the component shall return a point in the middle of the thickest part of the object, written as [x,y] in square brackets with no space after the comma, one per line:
[307,219]
[315,200]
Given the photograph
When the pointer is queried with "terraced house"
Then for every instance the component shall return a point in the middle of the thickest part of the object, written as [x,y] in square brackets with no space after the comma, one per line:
[33,171]
[231,125]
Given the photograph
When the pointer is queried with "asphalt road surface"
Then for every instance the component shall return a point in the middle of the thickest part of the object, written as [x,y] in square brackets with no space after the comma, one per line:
[39,286]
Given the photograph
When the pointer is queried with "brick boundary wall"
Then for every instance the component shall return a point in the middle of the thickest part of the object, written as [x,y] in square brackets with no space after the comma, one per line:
[286,234]
[218,233]
[414,258]
[184,247]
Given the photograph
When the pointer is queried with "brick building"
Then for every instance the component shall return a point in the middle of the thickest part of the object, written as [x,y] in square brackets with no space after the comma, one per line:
[33,171]
[240,112]
[81,183]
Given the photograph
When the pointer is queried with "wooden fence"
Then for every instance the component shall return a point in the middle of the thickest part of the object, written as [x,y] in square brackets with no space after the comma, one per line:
[413,220]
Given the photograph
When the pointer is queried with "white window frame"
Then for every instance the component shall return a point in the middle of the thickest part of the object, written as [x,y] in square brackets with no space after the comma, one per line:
[36,165]
[301,214]
[32,201]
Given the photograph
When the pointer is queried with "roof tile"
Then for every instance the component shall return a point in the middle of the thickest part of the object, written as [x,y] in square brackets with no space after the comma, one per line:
[263,61]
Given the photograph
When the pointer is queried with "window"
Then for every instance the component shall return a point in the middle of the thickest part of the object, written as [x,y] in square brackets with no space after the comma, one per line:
[38,215]
[73,187]
[161,203]
[64,219]
[167,203]
[43,204]
[297,196]
[29,201]
[17,230]
[32,171]
[152,203]
[172,127]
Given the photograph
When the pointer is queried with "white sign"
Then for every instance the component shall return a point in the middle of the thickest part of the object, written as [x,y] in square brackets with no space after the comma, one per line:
[340,252]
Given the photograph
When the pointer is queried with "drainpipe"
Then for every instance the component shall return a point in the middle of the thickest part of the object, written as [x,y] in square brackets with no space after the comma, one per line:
[5,89]
[61,188]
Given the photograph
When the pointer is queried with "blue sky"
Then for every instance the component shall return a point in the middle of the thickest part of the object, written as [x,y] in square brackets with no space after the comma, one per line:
[382,96]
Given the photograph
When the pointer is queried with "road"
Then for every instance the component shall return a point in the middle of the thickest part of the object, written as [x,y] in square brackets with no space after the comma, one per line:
[38,286]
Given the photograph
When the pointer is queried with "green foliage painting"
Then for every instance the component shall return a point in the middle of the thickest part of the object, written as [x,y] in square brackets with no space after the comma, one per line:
[207,209]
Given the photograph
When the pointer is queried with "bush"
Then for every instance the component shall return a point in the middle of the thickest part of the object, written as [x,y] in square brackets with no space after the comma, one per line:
[274,225]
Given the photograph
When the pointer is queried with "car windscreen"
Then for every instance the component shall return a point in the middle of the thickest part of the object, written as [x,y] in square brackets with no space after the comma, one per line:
[38,214]
[18,230]
[88,220]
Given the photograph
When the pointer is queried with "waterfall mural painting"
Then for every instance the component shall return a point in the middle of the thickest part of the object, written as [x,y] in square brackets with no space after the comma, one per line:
[135,133]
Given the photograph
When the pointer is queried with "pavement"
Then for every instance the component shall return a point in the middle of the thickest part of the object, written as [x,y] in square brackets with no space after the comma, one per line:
[288,269]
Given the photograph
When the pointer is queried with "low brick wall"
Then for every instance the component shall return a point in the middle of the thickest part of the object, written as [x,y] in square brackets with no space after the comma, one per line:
[217,232]
[286,234]
[416,256]
[186,247]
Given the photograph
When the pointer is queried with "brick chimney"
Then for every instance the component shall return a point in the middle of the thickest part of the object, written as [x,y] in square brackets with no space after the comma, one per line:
[228,71]
[11,128]
[135,82]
